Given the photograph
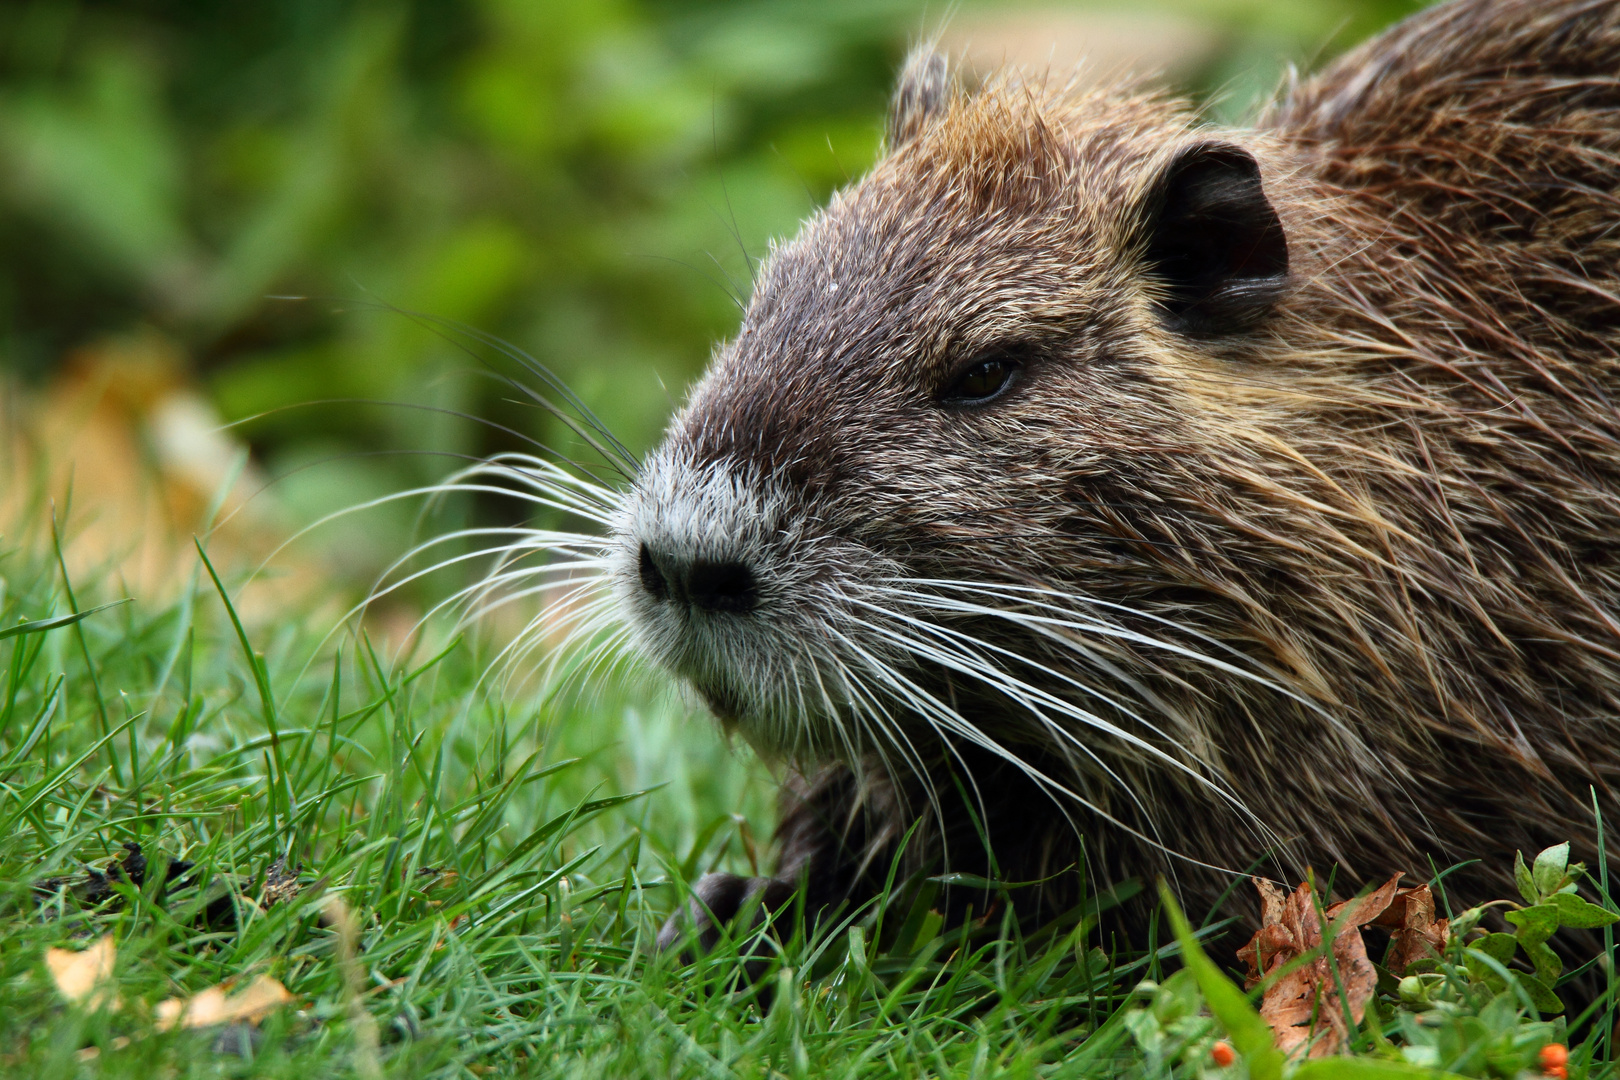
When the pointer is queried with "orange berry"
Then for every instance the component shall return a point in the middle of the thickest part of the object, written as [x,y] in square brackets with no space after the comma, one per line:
[1222,1053]
[1554,1056]
[1556,1072]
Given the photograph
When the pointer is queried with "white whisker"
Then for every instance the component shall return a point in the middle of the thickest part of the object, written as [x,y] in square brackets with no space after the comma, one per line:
[950,721]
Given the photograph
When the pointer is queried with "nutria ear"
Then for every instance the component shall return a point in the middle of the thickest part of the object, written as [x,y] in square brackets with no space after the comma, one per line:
[1214,244]
[920,97]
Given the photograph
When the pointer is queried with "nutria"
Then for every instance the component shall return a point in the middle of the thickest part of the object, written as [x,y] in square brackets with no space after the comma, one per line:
[1110,495]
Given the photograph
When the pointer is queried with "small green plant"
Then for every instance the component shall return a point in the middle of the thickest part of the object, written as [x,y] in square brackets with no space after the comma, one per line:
[1475,968]
[1478,1009]
[1496,1039]
[1172,1027]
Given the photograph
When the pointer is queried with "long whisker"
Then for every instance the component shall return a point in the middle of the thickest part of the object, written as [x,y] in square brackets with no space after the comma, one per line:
[1084,716]
[582,422]
[978,668]
[1065,618]
[949,721]
[583,626]
[884,734]
[1039,701]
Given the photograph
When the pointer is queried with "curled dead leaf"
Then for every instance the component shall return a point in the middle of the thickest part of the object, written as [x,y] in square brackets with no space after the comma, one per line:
[1415,934]
[84,977]
[1303,1004]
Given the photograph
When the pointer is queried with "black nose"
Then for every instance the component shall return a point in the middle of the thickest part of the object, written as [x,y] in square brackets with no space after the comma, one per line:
[704,584]
[722,586]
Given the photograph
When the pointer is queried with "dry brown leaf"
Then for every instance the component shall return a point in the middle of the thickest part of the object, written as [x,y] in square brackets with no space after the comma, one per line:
[212,1006]
[1414,931]
[1303,1006]
[85,977]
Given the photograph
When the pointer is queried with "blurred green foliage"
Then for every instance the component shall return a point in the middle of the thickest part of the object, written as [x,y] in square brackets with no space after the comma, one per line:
[586,179]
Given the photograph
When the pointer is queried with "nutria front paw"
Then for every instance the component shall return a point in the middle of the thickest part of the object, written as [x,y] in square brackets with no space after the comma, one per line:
[717,900]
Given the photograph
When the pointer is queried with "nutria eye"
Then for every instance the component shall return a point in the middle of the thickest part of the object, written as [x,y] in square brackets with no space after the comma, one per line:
[981,382]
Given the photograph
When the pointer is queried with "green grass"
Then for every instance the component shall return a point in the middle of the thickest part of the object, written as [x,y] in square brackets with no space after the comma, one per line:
[506,862]
[568,824]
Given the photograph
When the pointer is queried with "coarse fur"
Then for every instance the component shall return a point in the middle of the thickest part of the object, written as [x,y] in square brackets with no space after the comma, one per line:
[1289,545]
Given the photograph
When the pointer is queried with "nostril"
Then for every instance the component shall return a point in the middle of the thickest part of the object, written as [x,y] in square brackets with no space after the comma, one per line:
[722,586]
[652,578]
[716,586]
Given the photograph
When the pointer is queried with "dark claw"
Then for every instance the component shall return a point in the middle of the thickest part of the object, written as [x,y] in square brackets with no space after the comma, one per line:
[716,901]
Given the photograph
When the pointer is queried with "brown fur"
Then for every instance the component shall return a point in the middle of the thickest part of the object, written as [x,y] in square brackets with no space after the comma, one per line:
[1393,499]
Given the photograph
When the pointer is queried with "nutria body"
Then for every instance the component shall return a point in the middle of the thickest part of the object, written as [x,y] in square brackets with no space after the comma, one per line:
[1162,500]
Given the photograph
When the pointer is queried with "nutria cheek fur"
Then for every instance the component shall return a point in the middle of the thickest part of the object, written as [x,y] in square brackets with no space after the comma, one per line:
[1292,539]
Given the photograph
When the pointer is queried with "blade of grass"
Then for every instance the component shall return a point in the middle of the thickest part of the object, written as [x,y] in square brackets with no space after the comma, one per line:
[39,626]
[84,646]
[279,782]
[1605,1031]
[1249,1033]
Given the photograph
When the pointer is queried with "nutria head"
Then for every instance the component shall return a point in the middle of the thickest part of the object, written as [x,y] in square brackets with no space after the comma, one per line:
[952,455]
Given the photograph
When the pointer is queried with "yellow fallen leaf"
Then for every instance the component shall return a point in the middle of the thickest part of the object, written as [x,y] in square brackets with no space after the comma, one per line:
[211,1006]
[90,1053]
[84,977]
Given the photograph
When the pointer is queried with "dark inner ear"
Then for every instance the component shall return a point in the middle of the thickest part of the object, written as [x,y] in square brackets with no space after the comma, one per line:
[1214,243]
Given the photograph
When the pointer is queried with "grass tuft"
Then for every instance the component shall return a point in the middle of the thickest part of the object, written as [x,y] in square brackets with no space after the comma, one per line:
[449,883]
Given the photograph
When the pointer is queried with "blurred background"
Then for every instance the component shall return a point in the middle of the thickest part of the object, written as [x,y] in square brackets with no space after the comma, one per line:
[587,180]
